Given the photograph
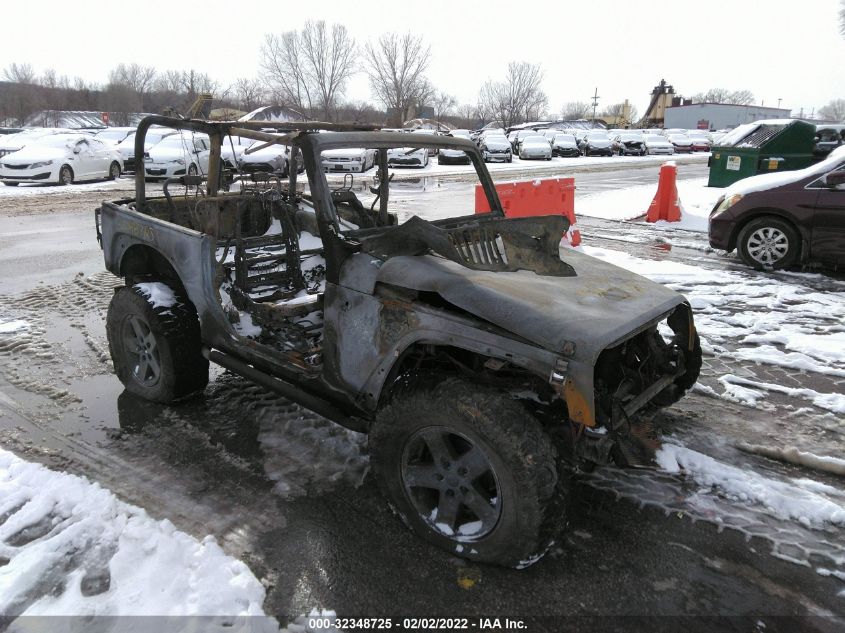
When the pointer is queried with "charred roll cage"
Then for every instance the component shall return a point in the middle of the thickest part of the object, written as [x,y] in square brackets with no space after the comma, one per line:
[473,309]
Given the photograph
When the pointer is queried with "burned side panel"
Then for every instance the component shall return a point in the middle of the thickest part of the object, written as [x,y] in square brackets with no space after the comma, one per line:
[188,252]
[370,334]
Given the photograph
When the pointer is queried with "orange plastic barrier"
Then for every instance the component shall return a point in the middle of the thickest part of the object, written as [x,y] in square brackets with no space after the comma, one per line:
[535,197]
[666,204]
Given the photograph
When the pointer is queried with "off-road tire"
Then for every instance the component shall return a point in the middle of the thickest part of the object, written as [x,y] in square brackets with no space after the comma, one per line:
[176,340]
[785,239]
[530,486]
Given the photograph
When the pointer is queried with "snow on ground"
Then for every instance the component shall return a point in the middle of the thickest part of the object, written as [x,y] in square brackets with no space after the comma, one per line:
[25,189]
[7,327]
[697,200]
[759,318]
[812,504]
[73,548]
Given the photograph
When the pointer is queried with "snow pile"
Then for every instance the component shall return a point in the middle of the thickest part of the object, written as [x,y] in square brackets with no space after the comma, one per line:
[812,504]
[9,327]
[756,315]
[748,391]
[73,548]
[792,455]
[697,200]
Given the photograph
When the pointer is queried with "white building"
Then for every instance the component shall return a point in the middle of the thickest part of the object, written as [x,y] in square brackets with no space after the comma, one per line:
[718,116]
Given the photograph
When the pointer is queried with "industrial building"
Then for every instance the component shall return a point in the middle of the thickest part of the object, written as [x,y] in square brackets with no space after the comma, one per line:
[716,116]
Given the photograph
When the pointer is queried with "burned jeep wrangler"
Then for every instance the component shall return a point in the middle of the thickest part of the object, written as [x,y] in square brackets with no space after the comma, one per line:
[485,362]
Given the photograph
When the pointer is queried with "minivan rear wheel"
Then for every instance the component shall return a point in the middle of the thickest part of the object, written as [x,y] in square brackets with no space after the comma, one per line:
[768,243]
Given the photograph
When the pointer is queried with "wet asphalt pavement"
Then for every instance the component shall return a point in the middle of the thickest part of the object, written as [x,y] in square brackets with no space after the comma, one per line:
[290,494]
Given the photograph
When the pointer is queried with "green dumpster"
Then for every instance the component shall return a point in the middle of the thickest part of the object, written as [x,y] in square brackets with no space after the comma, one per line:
[762,147]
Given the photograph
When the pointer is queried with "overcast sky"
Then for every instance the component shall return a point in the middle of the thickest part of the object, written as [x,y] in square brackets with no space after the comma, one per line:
[776,49]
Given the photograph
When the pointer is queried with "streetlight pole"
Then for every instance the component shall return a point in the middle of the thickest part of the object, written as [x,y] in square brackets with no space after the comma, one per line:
[595,103]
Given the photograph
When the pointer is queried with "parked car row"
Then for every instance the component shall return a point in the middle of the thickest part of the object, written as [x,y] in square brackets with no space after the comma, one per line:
[572,142]
[61,156]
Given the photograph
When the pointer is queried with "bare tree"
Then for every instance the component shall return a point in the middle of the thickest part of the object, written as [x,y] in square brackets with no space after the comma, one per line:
[842,17]
[357,111]
[137,78]
[309,69]
[573,110]
[19,73]
[23,96]
[195,82]
[518,98]
[396,65]
[330,61]
[283,68]
[121,100]
[49,79]
[169,81]
[835,110]
[249,93]
[723,95]
[443,104]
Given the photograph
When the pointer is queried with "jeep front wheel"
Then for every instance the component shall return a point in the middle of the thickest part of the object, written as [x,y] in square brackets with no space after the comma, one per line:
[469,470]
[154,340]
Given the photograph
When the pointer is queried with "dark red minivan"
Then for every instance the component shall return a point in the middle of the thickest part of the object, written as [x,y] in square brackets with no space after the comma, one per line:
[778,220]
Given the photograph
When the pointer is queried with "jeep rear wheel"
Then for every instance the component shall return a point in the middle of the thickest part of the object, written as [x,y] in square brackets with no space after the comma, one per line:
[155,346]
[471,471]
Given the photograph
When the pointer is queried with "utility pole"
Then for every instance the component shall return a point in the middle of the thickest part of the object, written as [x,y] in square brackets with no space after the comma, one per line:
[595,103]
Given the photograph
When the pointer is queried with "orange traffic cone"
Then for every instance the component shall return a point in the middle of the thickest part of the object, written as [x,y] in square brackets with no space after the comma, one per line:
[666,204]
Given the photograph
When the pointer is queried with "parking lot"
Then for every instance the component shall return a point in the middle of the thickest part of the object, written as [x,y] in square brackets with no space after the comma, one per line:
[290,493]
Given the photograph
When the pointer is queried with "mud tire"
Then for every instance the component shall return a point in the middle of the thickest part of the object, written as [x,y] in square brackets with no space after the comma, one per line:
[531,487]
[176,332]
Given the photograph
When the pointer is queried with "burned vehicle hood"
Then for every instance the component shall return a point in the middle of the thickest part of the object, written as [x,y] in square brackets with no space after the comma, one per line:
[597,307]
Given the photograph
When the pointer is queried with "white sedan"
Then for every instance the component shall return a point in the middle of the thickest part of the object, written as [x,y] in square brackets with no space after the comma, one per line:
[178,155]
[126,147]
[535,147]
[657,144]
[62,159]
[114,135]
[407,157]
[348,159]
[272,159]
